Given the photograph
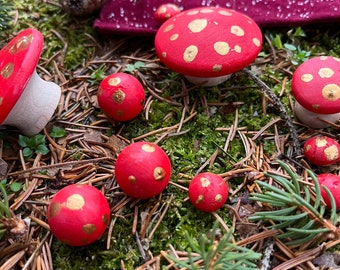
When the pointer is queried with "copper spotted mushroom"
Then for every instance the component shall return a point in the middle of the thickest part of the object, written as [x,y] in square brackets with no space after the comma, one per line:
[322,150]
[142,170]
[26,101]
[166,11]
[121,96]
[78,214]
[316,88]
[208,192]
[208,44]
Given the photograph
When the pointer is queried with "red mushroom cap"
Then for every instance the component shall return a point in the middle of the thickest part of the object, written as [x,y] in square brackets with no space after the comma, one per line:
[166,11]
[208,192]
[316,85]
[142,170]
[332,182]
[322,150]
[121,96]
[78,215]
[18,60]
[208,42]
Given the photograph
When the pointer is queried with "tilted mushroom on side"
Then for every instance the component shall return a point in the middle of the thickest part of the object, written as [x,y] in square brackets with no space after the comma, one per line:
[208,44]
[26,101]
[316,88]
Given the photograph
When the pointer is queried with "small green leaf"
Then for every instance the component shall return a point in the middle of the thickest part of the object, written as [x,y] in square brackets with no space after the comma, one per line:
[15,187]
[57,132]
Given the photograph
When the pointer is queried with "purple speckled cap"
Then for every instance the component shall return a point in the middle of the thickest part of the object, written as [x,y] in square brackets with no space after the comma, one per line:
[137,16]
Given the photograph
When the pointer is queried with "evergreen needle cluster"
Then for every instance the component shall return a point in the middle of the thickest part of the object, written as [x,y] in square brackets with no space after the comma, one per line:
[213,253]
[298,209]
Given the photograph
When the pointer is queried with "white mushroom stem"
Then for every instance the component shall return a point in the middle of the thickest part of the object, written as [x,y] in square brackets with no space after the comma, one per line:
[314,120]
[207,82]
[35,106]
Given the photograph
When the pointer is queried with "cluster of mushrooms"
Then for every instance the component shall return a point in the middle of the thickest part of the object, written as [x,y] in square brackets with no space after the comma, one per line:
[206,45]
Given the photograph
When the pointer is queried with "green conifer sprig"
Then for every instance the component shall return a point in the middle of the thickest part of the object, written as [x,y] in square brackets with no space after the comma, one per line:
[298,209]
[210,252]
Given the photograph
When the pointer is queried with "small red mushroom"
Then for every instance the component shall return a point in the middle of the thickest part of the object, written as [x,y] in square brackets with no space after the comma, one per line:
[322,150]
[121,96]
[166,11]
[208,192]
[78,215]
[142,170]
[332,182]
[26,101]
[316,88]
[207,44]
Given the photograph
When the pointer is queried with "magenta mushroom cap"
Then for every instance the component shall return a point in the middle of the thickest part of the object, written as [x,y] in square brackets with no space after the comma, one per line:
[208,42]
[18,60]
[316,85]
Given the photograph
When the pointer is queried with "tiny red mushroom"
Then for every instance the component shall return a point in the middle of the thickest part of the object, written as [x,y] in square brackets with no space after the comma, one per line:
[121,96]
[207,44]
[166,11]
[208,192]
[142,170]
[78,215]
[322,150]
[26,101]
[332,182]
[316,88]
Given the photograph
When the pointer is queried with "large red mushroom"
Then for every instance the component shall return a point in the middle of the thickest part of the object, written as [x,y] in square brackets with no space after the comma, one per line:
[78,215]
[121,96]
[142,170]
[208,192]
[26,101]
[207,44]
[316,88]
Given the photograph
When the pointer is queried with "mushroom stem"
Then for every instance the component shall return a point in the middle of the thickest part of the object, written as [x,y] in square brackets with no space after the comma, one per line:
[314,120]
[207,82]
[35,106]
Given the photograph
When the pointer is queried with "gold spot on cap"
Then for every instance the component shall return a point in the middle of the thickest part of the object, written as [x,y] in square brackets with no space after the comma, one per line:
[159,173]
[114,81]
[190,53]
[325,72]
[174,37]
[54,209]
[204,182]
[7,70]
[21,44]
[75,202]
[200,198]
[192,12]
[89,228]
[168,28]
[118,96]
[132,179]
[218,198]
[320,141]
[331,92]
[331,153]
[217,68]
[197,25]
[148,148]
[237,49]
[306,77]
[237,30]
[257,42]
[105,219]
[221,47]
